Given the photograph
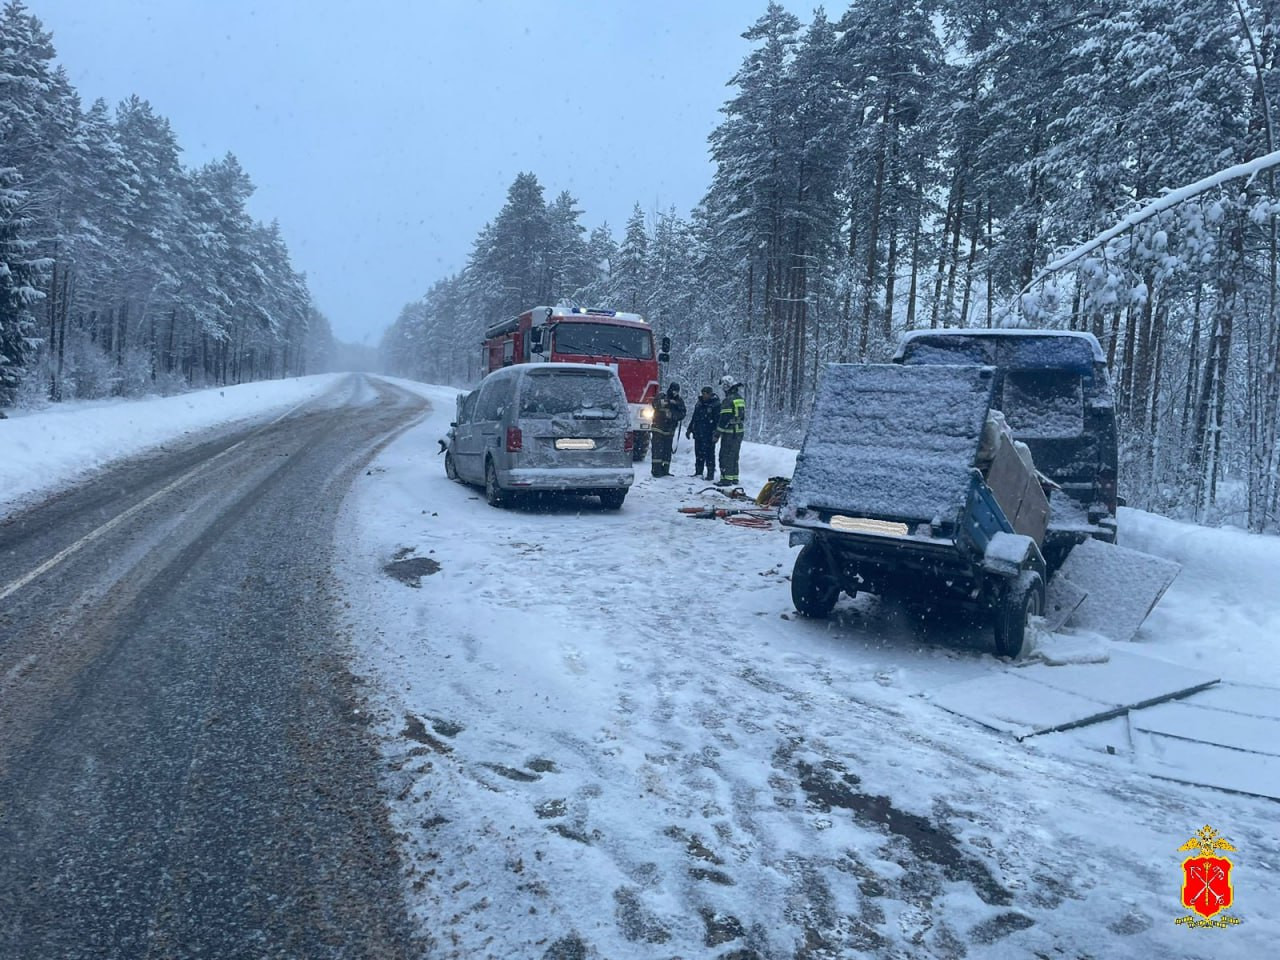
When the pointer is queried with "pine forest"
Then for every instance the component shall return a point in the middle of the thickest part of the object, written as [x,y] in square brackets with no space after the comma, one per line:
[121,271]
[925,164]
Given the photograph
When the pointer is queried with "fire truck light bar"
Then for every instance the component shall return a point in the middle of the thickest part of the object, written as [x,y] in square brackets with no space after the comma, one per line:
[595,312]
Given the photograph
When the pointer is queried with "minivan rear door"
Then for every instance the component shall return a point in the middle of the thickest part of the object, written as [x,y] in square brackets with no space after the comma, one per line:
[573,418]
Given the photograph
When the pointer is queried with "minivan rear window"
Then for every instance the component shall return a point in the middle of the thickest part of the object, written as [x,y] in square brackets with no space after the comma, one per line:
[569,393]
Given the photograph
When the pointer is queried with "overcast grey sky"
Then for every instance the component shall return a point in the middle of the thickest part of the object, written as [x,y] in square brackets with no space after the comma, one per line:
[383,135]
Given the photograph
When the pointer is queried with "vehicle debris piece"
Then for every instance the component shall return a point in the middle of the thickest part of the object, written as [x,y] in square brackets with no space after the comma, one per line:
[1121,587]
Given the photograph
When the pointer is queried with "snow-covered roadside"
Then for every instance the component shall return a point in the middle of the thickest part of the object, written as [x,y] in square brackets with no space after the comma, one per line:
[45,449]
[607,735]
[1222,613]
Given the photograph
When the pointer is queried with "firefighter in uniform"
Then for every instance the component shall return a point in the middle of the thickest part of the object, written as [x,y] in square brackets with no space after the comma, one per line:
[702,428]
[668,412]
[733,423]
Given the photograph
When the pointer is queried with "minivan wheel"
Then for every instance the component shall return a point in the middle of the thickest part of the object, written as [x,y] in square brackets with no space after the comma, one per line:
[492,492]
[450,470]
[612,499]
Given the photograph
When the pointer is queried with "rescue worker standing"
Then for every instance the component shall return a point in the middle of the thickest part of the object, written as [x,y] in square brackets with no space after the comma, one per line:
[733,423]
[668,412]
[702,428]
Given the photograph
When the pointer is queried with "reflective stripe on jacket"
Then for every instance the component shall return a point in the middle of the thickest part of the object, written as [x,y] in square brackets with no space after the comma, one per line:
[733,414]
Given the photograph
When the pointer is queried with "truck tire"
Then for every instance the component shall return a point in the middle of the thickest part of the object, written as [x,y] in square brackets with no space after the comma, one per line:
[1023,599]
[450,470]
[640,446]
[814,587]
[492,492]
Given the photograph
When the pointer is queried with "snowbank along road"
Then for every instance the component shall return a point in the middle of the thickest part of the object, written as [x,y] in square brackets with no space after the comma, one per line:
[184,767]
[608,735]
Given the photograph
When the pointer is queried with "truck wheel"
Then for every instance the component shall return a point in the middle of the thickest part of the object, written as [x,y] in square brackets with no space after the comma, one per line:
[640,446]
[1023,599]
[492,492]
[612,499]
[450,470]
[814,587]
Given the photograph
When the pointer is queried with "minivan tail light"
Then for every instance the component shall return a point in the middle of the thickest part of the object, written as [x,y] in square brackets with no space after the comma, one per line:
[515,440]
[629,441]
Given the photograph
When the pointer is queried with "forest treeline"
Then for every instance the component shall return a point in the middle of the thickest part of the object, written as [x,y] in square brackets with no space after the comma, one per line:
[121,271]
[918,164]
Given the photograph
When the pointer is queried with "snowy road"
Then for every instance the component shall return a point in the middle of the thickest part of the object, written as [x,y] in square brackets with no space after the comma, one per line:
[606,735]
[183,769]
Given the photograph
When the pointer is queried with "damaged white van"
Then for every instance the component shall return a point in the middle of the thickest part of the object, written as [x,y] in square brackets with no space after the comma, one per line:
[561,427]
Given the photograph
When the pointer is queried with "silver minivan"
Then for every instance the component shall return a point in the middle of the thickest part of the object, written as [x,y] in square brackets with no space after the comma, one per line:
[544,426]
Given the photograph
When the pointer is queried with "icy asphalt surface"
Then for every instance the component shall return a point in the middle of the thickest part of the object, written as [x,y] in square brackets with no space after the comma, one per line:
[185,769]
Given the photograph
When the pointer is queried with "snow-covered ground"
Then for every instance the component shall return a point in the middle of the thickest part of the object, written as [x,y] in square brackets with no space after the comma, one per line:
[43,449]
[608,735]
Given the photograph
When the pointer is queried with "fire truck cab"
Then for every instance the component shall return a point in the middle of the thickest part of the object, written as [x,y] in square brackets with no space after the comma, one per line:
[621,341]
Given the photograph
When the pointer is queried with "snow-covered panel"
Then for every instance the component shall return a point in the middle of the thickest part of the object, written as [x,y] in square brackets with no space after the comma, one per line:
[1126,680]
[1206,764]
[893,441]
[1123,586]
[1192,720]
[1039,698]
[1061,599]
[1015,703]
[1247,699]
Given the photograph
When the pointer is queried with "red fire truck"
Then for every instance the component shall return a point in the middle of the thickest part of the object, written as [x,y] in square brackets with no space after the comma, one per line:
[623,341]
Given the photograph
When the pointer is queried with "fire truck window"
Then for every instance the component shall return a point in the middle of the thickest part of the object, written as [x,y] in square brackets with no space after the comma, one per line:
[508,352]
[603,340]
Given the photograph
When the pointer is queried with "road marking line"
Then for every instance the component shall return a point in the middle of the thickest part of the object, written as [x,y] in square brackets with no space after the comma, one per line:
[115,521]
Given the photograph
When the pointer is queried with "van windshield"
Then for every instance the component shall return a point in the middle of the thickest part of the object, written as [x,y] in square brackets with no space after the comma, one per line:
[587,395]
